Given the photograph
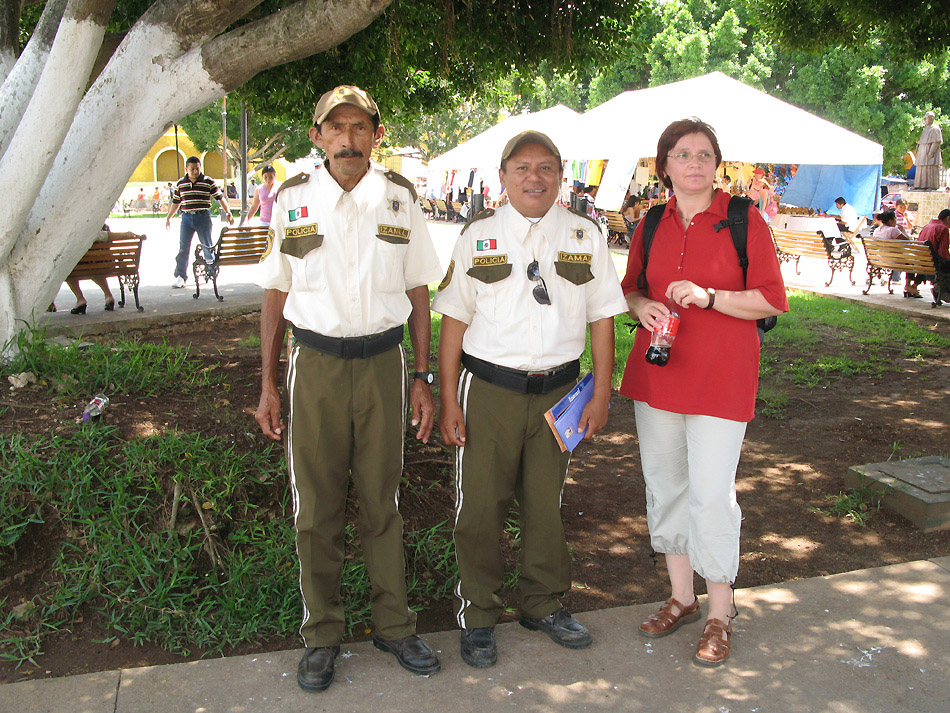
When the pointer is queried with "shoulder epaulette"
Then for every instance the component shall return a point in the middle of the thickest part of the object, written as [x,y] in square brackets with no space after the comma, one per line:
[297,180]
[400,180]
[584,215]
[487,213]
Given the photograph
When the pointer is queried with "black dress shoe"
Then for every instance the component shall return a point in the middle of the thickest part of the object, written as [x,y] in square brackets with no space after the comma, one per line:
[110,306]
[412,653]
[563,629]
[315,670]
[478,647]
[78,309]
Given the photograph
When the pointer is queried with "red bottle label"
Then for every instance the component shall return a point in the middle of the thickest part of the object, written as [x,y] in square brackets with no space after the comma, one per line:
[668,326]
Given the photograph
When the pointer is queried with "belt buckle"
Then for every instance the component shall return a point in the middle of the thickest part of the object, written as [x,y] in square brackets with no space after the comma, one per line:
[352,348]
[533,374]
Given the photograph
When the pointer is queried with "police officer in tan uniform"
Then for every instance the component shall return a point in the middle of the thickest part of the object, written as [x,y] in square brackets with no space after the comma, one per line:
[347,262]
[524,282]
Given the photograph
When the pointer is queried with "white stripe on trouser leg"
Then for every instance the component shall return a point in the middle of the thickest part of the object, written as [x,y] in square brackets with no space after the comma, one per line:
[291,385]
[689,465]
[402,404]
[465,382]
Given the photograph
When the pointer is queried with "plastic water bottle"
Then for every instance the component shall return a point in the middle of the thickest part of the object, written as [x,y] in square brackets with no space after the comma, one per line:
[662,337]
[95,407]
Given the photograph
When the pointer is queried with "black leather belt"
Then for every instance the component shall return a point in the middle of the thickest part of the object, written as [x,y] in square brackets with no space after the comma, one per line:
[350,347]
[524,382]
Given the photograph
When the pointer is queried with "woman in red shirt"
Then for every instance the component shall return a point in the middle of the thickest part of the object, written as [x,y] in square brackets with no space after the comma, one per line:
[692,413]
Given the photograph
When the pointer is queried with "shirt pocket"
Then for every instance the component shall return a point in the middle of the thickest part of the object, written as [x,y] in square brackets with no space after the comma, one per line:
[305,246]
[574,271]
[393,235]
[493,288]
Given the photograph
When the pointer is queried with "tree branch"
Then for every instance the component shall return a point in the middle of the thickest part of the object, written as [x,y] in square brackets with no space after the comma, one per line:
[303,29]
[18,86]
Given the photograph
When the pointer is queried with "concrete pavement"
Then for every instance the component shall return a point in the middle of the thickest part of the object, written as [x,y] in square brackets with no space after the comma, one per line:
[871,641]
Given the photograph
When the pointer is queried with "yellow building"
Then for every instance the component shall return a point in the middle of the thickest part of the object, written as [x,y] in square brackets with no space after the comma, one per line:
[163,163]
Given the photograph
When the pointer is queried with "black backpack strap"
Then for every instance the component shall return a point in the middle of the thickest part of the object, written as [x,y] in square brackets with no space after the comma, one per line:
[737,220]
[650,222]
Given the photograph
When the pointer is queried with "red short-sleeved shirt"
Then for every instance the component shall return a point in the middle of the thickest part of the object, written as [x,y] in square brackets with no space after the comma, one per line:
[714,363]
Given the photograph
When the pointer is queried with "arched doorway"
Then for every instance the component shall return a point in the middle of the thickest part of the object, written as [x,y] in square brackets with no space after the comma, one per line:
[167,167]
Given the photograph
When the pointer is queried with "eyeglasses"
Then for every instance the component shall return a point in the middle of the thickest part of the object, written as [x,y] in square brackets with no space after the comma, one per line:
[540,291]
[687,157]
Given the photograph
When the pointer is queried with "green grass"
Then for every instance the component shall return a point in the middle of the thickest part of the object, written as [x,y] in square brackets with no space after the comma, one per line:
[83,369]
[856,504]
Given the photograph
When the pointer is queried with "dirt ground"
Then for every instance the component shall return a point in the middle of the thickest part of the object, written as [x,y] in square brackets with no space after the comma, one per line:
[789,466]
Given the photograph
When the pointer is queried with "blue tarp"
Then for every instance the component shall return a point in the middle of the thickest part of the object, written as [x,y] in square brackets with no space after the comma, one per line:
[817,187]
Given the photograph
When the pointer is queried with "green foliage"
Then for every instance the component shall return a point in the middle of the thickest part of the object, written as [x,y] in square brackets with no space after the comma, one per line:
[83,369]
[224,573]
[857,504]
[267,137]
[913,28]
[434,134]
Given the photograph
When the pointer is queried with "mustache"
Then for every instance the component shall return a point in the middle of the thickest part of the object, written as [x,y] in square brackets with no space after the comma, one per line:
[348,153]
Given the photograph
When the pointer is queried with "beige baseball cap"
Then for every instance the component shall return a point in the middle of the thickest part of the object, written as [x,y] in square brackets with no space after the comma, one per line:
[529,137]
[345,94]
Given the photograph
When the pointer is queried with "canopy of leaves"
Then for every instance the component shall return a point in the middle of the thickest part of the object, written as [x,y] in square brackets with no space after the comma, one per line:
[913,28]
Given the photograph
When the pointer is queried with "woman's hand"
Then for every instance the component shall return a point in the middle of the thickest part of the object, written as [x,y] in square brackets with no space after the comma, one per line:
[645,310]
[686,293]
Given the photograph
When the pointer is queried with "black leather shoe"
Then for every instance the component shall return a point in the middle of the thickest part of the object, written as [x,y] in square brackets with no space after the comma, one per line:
[315,670]
[478,647]
[412,653]
[563,629]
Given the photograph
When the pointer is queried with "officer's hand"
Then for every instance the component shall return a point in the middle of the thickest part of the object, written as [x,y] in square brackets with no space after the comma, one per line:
[593,417]
[452,423]
[423,409]
[268,415]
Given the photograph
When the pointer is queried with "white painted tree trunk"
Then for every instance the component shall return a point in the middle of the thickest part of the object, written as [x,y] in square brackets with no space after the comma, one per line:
[172,62]
[19,83]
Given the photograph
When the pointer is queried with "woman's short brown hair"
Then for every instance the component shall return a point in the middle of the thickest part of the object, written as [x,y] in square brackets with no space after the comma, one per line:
[673,133]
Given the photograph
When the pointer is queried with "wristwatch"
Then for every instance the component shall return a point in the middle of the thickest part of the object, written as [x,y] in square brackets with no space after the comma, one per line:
[426,376]
[712,297]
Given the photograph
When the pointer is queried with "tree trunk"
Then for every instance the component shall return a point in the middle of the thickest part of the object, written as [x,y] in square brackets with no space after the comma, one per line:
[171,63]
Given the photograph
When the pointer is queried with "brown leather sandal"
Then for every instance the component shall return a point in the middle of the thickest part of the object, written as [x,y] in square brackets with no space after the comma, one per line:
[664,621]
[713,648]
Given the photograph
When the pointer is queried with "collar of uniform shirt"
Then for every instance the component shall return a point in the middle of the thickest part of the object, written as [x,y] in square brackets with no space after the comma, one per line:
[520,225]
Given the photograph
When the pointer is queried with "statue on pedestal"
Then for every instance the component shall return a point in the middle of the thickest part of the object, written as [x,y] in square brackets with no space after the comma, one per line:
[929,158]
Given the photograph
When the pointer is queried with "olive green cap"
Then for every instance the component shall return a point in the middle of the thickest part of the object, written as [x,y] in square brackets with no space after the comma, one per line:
[345,94]
[529,137]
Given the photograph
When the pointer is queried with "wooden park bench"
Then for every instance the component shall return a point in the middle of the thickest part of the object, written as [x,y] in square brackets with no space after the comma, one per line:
[887,254]
[117,258]
[793,245]
[443,211]
[235,246]
[616,228]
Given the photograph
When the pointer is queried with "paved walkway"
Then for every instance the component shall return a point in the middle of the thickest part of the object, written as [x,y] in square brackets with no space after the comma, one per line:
[868,641]
[165,306]
[872,641]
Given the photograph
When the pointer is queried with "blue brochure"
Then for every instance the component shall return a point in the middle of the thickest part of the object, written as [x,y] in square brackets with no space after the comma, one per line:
[565,414]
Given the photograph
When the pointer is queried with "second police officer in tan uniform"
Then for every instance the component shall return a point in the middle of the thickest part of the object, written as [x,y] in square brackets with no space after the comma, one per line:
[348,260]
[524,282]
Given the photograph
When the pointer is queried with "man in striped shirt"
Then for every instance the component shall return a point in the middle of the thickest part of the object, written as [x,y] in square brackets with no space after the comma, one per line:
[193,194]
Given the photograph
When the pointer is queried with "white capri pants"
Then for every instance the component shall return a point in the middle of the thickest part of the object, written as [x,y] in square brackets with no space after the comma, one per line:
[689,465]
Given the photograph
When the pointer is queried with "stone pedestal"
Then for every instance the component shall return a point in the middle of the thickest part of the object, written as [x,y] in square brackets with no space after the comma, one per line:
[924,205]
[918,488]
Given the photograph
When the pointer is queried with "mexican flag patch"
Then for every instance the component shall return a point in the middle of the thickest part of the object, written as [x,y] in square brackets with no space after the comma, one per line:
[296,214]
[486,244]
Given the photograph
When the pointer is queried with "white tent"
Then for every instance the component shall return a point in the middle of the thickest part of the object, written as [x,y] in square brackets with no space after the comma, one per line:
[483,152]
[752,127]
